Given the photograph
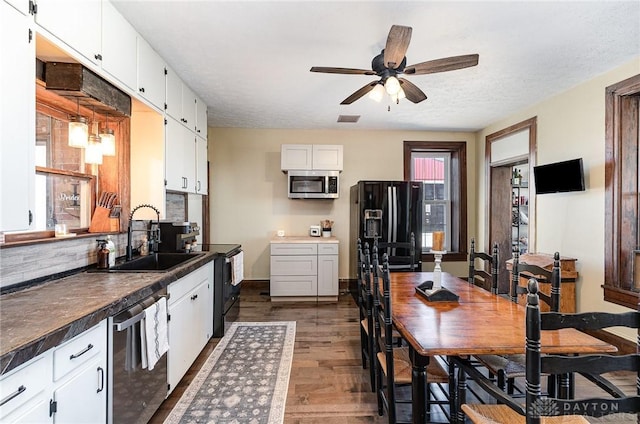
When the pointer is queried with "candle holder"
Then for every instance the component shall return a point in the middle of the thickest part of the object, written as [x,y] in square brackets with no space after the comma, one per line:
[437,293]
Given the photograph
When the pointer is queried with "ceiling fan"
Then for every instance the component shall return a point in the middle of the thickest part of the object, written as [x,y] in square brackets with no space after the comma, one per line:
[391,63]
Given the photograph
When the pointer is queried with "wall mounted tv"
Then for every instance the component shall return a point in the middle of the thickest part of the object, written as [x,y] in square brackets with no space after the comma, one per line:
[559,177]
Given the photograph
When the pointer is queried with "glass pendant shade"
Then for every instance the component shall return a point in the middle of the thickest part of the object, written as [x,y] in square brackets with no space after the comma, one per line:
[377,93]
[108,140]
[93,152]
[392,85]
[78,132]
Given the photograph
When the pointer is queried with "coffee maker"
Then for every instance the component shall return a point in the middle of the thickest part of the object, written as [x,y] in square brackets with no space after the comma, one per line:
[178,236]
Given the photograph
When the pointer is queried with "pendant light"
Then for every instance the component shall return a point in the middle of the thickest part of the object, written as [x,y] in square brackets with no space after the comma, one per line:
[108,140]
[93,151]
[78,129]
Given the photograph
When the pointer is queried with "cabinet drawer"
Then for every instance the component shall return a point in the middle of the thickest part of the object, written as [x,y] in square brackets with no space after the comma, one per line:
[189,282]
[294,285]
[328,248]
[294,249]
[77,351]
[294,265]
[29,381]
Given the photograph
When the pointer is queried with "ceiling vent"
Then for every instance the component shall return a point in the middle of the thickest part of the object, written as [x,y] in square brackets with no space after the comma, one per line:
[348,118]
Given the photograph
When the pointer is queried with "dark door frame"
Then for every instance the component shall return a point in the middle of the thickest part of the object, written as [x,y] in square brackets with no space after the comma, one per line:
[530,158]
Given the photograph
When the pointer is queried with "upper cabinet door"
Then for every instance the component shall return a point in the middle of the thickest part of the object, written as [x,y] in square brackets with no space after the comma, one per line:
[118,46]
[77,23]
[151,74]
[201,118]
[21,5]
[327,157]
[17,123]
[188,108]
[296,157]
[173,105]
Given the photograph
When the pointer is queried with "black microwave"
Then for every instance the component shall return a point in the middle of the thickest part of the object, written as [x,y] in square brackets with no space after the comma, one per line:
[313,184]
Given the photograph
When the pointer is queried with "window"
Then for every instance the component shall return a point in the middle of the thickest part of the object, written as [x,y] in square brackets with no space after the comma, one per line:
[622,198]
[441,166]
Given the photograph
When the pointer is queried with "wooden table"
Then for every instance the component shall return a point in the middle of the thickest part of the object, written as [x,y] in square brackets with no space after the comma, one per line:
[479,323]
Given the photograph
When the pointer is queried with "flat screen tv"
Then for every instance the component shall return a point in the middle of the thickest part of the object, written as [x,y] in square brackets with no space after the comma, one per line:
[559,177]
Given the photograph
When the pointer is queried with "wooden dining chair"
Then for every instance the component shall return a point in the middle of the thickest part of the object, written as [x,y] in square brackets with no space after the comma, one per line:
[486,276]
[393,362]
[509,367]
[403,256]
[546,409]
[365,302]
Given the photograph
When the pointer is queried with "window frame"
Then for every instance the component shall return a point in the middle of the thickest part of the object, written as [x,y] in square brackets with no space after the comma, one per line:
[458,191]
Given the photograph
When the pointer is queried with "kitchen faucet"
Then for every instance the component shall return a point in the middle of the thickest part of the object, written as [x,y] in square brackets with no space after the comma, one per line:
[154,235]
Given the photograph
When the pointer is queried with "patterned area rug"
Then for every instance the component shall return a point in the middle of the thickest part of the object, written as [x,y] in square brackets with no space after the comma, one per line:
[244,380]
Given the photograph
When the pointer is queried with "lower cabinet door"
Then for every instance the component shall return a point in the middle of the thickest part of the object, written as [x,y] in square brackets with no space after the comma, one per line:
[82,398]
[187,332]
[328,275]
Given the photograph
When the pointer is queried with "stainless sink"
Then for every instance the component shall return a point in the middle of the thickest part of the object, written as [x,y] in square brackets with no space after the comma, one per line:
[157,262]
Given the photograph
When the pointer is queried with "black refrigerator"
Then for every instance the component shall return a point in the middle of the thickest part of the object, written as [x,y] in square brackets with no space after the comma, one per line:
[389,211]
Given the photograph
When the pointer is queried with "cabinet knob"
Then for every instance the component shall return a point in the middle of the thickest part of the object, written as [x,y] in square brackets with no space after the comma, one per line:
[194,297]
[97,56]
[141,89]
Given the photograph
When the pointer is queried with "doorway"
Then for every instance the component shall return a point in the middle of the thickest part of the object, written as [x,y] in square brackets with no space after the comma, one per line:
[509,158]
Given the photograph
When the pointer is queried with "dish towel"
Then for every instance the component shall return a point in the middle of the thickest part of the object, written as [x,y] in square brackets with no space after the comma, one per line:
[154,334]
[237,268]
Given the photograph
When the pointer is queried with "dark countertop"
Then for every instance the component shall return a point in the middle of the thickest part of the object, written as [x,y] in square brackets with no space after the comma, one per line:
[39,318]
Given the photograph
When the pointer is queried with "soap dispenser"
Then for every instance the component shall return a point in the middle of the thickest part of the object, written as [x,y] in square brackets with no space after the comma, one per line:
[103,255]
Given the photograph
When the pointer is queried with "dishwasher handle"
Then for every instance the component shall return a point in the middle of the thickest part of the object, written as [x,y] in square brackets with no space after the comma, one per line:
[121,326]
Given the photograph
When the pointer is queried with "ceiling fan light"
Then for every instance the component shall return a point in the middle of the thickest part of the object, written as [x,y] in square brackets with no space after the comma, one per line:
[108,140]
[377,93]
[399,95]
[78,132]
[392,85]
[93,152]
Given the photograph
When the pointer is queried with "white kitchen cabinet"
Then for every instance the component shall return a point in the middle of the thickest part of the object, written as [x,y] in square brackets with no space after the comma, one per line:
[119,51]
[327,157]
[328,269]
[181,100]
[304,270]
[180,158]
[80,378]
[21,5]
[25,391]
[201,118]
[151,75]
[66,384]
[17,122]
[76,23]
[296,157]
[202,183]
[190,322]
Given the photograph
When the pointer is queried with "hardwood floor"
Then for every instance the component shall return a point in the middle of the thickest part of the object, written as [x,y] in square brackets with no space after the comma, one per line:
[327,384]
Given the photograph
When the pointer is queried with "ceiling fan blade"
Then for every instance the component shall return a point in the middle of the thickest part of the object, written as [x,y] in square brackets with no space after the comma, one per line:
[329,70]
[413,93]
[442,65]
[397,45]
[361,92]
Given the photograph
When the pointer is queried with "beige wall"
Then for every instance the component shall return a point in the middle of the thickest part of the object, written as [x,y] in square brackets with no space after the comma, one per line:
[570,125]
[248,191]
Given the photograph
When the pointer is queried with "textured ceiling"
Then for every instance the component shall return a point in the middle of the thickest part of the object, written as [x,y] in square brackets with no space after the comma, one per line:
[250,61]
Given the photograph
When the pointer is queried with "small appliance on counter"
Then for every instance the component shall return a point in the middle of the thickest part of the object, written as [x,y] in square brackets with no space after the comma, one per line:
[314,231]
[178,236]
